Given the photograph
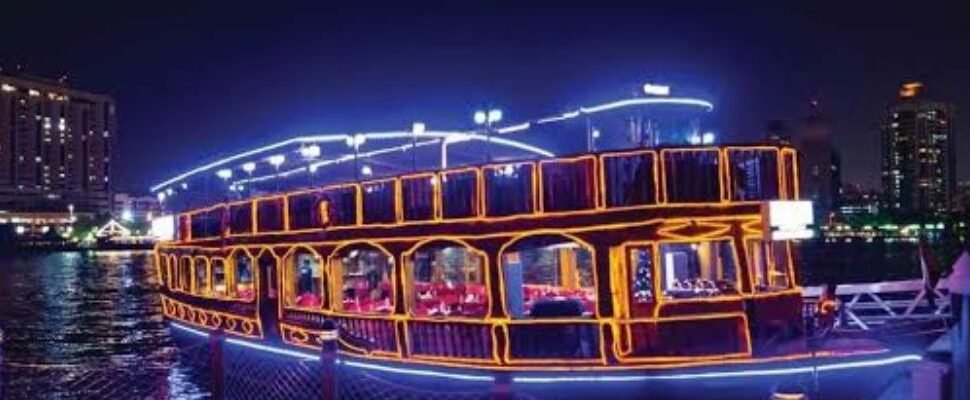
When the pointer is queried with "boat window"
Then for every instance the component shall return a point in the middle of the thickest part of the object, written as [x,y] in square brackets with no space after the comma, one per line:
[207,224]
[508,189]
[269,215]
[379,202]
[417,195]
[219,284]
[201,277]
[304,210]
[341,205]
[448,280]
[754,174]
[569,185]
[185,275]
[243,268]
[241,218]
[630,179]
[549,277]
[698,269]
[304,280]
[459,194]
[641,275]
[692,176]
[769,261]
[185,227]
[364,278]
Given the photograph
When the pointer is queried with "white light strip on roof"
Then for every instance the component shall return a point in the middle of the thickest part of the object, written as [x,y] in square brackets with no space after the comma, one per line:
[450,138]
[227,160]
[404,134]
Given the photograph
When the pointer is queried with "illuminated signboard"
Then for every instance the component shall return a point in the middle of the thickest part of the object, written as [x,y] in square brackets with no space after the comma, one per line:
[163,227]
[788,219]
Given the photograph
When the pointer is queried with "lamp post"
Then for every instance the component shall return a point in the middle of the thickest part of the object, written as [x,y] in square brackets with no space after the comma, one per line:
[310,154]
[249,167]
[276,161]
[417,128]
[486,119]
[225,174]
[356,141]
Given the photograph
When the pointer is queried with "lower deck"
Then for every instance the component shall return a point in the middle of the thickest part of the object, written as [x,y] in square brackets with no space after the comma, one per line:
[657,292]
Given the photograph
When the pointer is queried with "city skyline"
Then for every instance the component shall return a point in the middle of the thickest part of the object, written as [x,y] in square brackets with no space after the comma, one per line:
[294,76]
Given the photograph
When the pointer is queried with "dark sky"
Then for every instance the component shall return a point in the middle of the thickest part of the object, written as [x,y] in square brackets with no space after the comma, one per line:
[195,81]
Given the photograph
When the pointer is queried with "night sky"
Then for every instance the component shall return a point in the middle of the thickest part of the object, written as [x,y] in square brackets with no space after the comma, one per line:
[193,82]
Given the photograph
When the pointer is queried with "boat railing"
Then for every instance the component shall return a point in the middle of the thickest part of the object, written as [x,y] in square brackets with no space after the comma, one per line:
[496,192]
[867,306]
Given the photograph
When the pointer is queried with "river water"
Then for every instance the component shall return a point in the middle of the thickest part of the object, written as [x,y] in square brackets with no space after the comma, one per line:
[72,320]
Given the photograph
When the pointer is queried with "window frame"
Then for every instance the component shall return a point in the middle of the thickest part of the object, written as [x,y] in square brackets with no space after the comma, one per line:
[660,270]
[335,267]
[503,283]
[290,282]
[410,283]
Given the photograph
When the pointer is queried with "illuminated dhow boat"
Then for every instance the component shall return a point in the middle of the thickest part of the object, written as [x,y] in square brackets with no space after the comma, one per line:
[644,260]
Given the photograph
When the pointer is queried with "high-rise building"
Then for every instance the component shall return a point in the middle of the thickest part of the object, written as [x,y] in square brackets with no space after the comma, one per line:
[919,160]
[55,146]
[821,166]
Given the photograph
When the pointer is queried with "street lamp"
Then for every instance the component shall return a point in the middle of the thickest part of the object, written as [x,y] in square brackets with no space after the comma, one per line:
[417,128]
[356,141]
[277,160]
[224,174]
[486,119]
[310,153]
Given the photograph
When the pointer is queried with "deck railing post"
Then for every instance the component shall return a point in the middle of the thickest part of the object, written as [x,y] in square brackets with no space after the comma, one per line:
[328,359]
[217,341]
[502,386]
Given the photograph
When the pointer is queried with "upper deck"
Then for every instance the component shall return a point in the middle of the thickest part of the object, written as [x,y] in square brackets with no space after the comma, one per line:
[586,190]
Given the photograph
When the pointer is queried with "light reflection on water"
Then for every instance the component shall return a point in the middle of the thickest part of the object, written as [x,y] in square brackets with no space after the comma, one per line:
[74,313]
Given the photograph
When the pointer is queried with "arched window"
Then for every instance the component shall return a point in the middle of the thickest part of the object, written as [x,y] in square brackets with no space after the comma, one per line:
[448,279]
[244,273]
[549,277]
[304,279]
[185,274]
[201,267]
[696,269]
[363,275]
[220,286]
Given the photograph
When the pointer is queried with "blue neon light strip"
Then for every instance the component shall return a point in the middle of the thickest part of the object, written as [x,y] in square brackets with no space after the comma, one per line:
[722,374]
[418,372]
[573,378]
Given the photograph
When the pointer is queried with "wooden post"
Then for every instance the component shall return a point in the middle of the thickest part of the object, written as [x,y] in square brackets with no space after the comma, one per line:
[217,341]
[328,359]
[502,387]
